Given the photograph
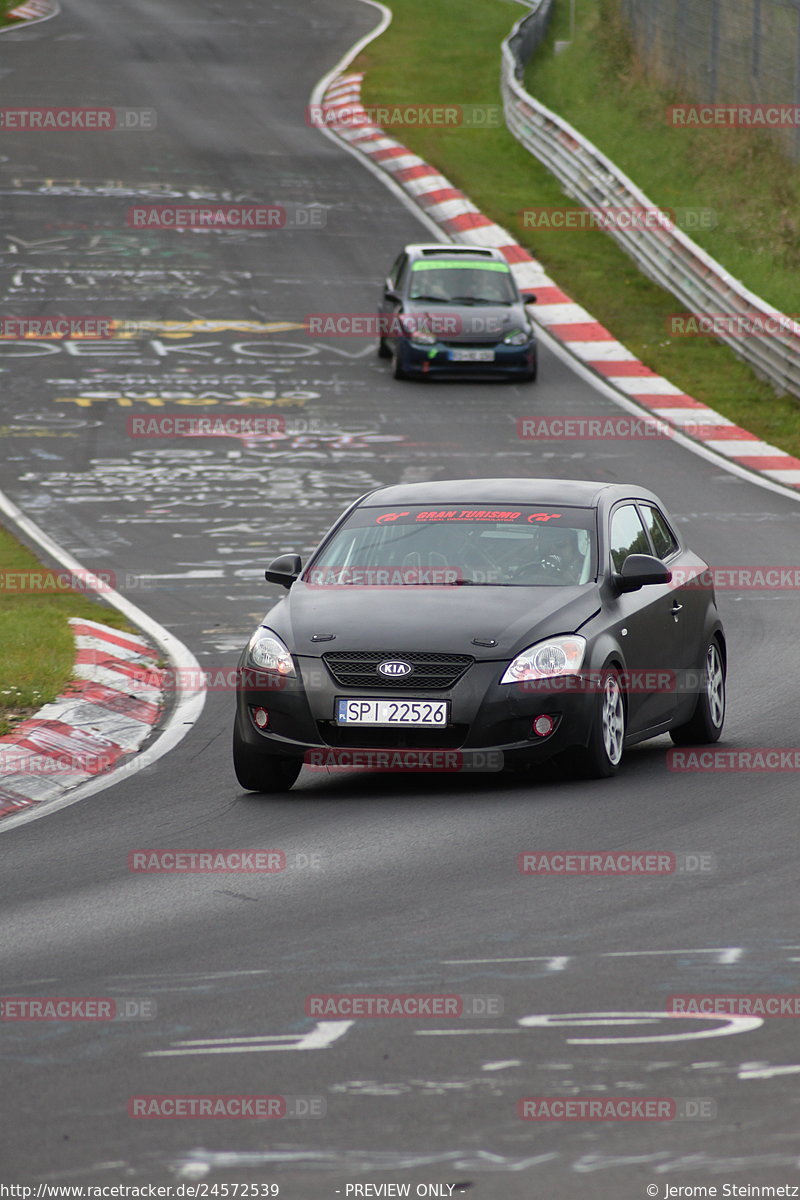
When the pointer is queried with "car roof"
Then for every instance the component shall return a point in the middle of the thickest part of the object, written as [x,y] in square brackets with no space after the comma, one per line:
[581,492]
[418,250]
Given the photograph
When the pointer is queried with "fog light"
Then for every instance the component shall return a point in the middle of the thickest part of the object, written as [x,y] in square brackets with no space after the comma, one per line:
[261,717]
[543,724]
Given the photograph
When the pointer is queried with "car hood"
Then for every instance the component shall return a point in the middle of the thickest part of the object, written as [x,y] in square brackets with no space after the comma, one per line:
[476,322]
[444,619]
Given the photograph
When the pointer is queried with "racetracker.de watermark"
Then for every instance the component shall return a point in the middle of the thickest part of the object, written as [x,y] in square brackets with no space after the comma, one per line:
[753,758]
[546,428]
[339,759]
[378,325]
[335,575]
[238,217]
[57,119]
[619,219]
[168,425]
[207,862]
[644,682]
[616,1108]
[615,862]
[57,327]
[738,325]
[16,759]
[394,1004]
[733,116]
[753,1004]
[77,1008]
[400,116]
[218,1107]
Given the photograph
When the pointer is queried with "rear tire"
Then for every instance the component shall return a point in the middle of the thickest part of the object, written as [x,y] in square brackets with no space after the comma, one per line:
[262,772]
[705,724]
[603,755]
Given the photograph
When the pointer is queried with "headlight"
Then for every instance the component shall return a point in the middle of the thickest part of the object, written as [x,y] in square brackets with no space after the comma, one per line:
[266,650]
[422,337]
[546,660]
[517,337]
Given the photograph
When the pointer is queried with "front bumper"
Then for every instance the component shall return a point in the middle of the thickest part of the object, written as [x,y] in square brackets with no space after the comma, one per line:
[437,359]
[484,716]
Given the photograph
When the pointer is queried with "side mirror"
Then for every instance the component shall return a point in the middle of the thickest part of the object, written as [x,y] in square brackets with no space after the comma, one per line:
[528,297]
[284,570]
[639,570]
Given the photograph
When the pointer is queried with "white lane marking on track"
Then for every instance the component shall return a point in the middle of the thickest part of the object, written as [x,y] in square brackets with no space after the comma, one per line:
[761,1071]
[321,1037]
[554,963]
[726,955]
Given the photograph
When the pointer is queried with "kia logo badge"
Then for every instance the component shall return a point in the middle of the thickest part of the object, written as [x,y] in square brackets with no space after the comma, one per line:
[395,668]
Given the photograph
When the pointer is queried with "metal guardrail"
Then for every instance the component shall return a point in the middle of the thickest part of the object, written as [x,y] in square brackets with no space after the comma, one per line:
[664,253]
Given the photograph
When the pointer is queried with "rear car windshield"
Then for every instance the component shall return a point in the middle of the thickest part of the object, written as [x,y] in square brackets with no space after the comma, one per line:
[462,283]
[500,545]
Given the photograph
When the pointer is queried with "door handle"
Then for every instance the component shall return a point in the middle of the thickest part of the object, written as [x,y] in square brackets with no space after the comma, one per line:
[676,608]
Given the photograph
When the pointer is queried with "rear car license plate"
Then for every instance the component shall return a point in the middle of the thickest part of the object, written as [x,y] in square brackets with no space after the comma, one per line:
[425,713]
[472,355]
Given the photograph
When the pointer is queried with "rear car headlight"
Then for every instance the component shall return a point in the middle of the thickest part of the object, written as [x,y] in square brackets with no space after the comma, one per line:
[422,337]
[517,337]
[266,650]
[548,659]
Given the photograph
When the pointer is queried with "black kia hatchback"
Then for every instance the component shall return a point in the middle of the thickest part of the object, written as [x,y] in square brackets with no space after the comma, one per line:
[523,619]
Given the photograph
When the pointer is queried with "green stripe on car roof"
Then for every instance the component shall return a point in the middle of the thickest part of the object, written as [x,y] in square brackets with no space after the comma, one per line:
[475,264]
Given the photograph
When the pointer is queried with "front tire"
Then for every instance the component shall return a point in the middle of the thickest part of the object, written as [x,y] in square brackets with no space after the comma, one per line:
[705,724]
[603,755]
[262,772]
[383,349]
[398,371]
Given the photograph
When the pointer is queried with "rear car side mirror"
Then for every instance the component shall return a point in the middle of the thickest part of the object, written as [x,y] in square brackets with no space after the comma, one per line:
[528,297]
[639,570]
[284,570]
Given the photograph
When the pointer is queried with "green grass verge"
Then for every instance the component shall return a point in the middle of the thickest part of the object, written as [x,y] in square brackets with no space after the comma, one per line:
[37,652]
[446,54]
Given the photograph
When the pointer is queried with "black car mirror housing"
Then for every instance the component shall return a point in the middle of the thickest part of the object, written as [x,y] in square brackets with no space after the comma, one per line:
[284,570]
[640,570]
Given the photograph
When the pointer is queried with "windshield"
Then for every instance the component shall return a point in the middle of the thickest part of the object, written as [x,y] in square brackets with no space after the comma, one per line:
[462,283]
[493,546]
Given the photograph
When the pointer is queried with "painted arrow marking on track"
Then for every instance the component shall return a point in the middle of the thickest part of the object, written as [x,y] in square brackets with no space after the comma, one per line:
[321,1037]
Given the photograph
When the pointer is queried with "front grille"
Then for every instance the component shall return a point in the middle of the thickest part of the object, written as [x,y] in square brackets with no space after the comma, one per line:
[471,342]
[357,669]
[381,738]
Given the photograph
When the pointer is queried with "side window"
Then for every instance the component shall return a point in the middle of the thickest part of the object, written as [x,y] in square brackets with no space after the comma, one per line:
[402,275]
[662,536]
[394,274]
[628,535]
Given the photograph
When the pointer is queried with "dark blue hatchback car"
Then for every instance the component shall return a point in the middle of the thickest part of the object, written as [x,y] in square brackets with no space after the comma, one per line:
[455,310]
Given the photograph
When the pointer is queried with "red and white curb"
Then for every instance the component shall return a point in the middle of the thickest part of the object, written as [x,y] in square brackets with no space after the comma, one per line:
[570,325]
[106,713]
[30,12]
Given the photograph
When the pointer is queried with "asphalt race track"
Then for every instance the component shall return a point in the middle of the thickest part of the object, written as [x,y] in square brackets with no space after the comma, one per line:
[393,884]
